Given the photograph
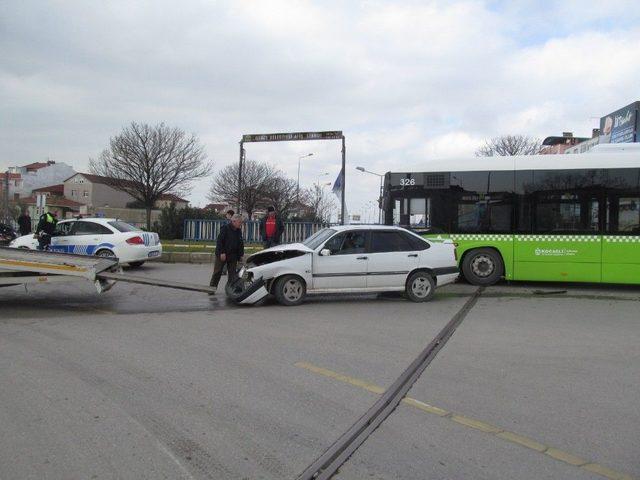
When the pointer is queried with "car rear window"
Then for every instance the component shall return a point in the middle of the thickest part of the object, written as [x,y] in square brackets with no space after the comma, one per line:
[415,242]
[124,227]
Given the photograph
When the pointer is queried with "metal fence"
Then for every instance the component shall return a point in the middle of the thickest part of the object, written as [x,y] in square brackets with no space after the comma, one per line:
[209,230]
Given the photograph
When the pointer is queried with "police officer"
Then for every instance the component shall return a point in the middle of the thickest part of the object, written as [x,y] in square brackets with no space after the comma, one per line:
[45,229]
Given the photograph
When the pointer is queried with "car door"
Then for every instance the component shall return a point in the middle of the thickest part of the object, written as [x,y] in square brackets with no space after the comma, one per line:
[346,266]
[60,239]
[86,236]
[391,258]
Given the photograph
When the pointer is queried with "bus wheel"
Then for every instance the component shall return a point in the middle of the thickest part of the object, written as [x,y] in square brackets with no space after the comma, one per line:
[482,266]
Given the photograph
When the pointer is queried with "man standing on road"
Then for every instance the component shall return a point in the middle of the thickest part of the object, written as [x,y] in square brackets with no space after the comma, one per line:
[271,228]
[45,229]
[229,251]
[228,216]
[24,222]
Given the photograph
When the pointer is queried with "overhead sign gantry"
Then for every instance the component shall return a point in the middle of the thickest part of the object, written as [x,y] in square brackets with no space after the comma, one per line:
[294,137]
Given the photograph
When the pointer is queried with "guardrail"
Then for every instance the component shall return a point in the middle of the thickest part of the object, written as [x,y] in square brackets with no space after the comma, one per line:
[209,230]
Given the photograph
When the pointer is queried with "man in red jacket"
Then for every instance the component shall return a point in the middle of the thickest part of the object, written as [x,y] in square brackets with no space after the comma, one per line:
[271,228]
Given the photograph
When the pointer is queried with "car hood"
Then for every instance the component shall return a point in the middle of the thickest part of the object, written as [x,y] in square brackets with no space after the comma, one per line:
[288,246]
[278,253]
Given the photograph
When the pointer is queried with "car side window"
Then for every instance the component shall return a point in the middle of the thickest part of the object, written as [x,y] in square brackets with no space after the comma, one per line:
[347,243]
[389,241]
[64,228]
[89,228]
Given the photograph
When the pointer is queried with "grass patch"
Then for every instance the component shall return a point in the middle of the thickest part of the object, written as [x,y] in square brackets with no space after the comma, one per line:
[200,247]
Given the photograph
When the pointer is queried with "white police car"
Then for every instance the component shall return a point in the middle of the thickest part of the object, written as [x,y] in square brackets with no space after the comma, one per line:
[348,259]
[103,237]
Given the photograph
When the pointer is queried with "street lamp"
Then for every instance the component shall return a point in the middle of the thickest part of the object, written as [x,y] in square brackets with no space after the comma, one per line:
[362,169]
[321,175]
[298,187]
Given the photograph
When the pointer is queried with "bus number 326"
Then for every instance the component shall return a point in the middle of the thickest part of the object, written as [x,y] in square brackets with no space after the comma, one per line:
[407,181]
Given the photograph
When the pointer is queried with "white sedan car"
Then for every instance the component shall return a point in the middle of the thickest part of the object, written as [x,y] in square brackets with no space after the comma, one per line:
[104,237]
[348,259]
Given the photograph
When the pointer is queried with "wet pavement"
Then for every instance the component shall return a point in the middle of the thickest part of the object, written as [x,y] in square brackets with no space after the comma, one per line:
[539,381]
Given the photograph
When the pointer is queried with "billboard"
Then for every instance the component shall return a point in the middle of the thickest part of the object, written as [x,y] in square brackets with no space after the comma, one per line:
[620,126]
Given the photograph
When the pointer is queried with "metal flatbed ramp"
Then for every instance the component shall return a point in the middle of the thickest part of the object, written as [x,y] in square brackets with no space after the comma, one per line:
[32,266]
[120,277]
[13,261]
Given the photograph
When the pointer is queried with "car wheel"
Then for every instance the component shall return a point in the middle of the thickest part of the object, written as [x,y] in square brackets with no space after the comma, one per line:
[135,264]
[290,290]
[483,266]
[105,254]
[420,287]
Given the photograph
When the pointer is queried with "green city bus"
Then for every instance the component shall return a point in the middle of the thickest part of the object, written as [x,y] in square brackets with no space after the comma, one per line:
[568,218]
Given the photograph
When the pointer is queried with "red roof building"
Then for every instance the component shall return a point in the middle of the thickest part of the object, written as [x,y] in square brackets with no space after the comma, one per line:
[55,190]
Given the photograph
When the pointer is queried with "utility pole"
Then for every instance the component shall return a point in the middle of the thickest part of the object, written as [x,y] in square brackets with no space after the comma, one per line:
[240,162]
[344,174]
[5,198]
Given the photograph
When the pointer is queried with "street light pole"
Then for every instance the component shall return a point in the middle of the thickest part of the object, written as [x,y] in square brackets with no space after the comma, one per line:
[362,169]
[298,184]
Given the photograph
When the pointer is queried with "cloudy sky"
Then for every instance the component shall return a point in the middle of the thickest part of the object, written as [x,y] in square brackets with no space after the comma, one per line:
[406,81]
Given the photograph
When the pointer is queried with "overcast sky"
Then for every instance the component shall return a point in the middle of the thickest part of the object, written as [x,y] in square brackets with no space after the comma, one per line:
[406,81]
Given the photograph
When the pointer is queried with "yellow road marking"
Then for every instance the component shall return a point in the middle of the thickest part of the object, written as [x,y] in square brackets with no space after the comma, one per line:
[565,457]
[524,441]
[50,266]
[425,406]
[477,424]
[506,435]
[343,378]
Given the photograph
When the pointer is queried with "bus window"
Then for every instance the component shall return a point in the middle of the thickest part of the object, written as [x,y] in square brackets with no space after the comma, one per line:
[419,209]
[629,214]
[396,212]
[559,212]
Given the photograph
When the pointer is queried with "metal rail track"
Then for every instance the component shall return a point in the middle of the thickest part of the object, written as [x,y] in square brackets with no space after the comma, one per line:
[327,465]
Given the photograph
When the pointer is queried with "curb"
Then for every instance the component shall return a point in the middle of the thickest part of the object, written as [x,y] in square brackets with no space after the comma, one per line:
[185,257]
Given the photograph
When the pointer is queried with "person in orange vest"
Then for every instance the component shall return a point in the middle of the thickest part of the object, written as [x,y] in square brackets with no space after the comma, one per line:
[271,228]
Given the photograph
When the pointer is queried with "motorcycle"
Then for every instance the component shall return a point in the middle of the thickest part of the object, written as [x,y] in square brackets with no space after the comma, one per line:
[7,234]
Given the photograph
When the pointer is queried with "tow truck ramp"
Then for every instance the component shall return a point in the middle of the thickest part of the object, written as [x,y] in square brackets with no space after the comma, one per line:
[23,267]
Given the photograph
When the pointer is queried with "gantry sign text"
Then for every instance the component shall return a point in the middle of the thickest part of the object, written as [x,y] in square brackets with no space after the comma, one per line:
[283,137]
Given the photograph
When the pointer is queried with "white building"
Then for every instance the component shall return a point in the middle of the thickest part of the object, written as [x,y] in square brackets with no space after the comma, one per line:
[38,175]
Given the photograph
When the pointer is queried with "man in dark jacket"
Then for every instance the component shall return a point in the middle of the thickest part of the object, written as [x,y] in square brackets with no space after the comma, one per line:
[229,251]
[271,228]
[24,222]
[45,229]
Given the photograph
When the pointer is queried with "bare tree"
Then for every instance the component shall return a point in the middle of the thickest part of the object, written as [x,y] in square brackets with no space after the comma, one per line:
[147,161]
[508,145]
[256,177]
[281,193]
[321,203]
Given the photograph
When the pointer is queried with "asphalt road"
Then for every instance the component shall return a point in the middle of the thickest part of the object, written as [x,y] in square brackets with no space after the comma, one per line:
[143,382]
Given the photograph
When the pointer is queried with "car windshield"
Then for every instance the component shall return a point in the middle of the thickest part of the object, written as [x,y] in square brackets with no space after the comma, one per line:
[124,227]
[318,238]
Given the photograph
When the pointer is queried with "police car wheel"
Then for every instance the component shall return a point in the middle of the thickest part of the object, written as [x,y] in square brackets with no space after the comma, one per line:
[290,290]
[135,264]
[105,253]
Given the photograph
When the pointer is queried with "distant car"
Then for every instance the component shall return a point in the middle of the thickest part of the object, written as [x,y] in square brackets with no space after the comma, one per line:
[7,234]
[348,259]
[103,237]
